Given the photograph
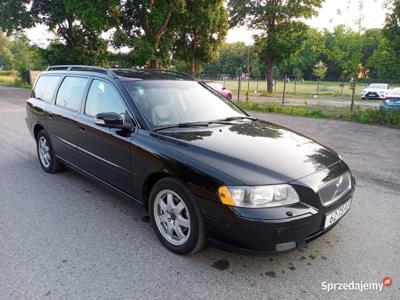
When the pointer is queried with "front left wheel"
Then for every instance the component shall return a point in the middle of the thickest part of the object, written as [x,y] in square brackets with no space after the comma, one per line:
[176,217]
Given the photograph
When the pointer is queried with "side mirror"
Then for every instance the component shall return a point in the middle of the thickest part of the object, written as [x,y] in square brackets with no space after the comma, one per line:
[223,88]
[111,120]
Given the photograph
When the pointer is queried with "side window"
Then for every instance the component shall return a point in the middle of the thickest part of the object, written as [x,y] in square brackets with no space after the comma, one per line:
[71,92]
[45,87]
[103,97]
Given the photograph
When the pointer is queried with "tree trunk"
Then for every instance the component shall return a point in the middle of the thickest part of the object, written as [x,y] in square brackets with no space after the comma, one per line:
[270,76]
[193,66]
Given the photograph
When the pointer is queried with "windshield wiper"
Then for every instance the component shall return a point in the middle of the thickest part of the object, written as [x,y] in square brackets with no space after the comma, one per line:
[183,125]
[204,124]
[238,118]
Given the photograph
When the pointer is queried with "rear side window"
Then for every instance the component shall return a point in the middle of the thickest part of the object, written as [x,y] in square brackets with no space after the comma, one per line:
[45,87]
[71,92]
[103,97]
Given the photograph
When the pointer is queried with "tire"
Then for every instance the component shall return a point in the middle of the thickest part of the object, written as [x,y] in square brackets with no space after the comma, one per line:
[45,153]
[179,224]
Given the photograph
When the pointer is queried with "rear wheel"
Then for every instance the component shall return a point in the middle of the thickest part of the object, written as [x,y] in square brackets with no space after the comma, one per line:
[45,153]
[176,218]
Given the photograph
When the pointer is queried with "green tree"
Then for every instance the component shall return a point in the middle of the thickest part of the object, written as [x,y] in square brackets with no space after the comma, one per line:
[25,56]
[231,60]
[146,28]
[5,53]
[282,33]
[319,71]
[387,56]
[14,15]
[202,30]
[77,24]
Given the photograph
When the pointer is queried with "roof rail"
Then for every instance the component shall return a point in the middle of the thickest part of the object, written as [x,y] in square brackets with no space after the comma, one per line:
[80,68]
[166,71]
[110,71]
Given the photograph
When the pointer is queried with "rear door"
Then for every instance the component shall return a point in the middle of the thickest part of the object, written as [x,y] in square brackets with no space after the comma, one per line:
[42,96]
[105,152]
[62,124]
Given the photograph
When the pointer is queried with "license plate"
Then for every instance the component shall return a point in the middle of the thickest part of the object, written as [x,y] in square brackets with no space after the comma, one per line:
[333,217]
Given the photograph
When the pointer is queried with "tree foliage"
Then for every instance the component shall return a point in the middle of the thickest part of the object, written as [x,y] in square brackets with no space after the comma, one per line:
[146,28]
[77,24]
[281,32]
[202,29]
[319,70]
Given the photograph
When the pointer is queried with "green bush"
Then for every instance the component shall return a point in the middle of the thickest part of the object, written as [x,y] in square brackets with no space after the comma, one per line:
[7,73]
[366,116]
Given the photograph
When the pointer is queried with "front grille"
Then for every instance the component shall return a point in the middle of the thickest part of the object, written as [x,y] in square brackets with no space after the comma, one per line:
[333,190]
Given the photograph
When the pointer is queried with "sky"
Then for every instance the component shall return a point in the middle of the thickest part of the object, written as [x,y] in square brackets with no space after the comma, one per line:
[331,14]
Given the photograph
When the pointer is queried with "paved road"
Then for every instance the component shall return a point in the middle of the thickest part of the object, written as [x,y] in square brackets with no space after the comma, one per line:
[62,236]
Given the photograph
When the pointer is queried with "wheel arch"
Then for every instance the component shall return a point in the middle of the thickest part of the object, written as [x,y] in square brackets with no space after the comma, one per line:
[36,129]
[148,184]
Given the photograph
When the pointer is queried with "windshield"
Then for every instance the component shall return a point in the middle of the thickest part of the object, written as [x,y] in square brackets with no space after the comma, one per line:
[170,102]
[215,85]
[378,86]
[394,92]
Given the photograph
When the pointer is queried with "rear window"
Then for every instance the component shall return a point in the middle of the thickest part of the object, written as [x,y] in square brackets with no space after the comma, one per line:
[45,87]
[71,92]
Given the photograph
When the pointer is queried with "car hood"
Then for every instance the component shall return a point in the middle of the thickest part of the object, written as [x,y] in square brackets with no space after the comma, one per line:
[253,152]
[374,90]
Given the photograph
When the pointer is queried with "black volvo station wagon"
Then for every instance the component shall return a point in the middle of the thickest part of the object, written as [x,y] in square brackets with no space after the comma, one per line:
[204,168]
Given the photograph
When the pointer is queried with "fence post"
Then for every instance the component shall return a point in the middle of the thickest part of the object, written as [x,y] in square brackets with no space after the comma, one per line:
[342,86]
[295,86]
[238,96]
[257,86]
[248,87]
[284,89]
[353,87]
[317,87]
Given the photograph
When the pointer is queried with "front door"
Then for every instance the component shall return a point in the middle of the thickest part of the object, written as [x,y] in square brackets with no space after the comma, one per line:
[105,152]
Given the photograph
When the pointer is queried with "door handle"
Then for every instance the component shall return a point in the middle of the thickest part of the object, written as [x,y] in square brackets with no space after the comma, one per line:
[81,128]
[50,115]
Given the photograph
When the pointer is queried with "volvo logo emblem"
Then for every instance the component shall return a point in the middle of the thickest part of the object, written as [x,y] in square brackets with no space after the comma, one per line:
[339,186]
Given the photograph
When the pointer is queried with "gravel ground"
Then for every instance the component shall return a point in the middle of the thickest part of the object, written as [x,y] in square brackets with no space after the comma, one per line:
[63,236]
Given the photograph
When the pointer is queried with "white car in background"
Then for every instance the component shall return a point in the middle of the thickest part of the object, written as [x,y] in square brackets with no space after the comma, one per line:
[375,91]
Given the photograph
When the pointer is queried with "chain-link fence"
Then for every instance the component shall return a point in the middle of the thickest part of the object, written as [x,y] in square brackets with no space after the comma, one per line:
[302,88]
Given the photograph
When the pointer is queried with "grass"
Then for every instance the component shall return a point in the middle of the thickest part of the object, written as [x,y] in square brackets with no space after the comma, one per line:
[11,80]
[303,88]
[365,116]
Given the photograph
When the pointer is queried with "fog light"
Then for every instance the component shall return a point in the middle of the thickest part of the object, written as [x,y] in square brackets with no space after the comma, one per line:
[285,246]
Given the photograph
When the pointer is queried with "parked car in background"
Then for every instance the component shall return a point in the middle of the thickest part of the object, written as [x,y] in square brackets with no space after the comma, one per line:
[392,100]
[220,89]
[375,91]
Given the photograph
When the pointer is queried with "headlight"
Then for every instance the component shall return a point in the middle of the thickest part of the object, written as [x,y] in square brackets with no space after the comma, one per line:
[258,196]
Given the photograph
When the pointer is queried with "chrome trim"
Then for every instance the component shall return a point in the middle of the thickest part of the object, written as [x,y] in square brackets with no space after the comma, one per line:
[338,192]
[68,143]
[94,155]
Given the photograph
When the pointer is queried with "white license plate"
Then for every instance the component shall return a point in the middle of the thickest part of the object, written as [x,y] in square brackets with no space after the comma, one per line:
[333,217]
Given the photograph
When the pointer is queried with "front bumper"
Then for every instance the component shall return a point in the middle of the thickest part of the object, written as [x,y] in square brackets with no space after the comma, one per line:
[373,95]
[265,231]
[389,107]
